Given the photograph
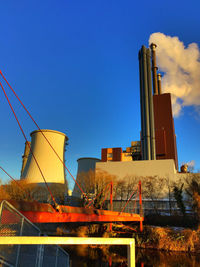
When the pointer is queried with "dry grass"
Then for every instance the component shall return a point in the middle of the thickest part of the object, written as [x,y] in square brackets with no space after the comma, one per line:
[19,190]
[167,239]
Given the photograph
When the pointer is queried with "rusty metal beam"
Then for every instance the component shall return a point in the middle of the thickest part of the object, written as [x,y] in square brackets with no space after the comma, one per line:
[47,217]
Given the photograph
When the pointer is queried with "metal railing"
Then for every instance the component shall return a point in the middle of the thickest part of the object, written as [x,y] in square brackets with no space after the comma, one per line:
[14,225]
[21,243]
[38,240]
[149,206]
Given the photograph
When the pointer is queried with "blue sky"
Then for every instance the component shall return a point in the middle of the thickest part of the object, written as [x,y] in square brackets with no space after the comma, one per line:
[74,64]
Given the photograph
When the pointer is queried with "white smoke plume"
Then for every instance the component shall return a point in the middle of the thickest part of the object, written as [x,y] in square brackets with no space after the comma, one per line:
[181,67]
[191,163]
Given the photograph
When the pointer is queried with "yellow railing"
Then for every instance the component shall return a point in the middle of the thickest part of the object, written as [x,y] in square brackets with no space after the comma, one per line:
[47,240]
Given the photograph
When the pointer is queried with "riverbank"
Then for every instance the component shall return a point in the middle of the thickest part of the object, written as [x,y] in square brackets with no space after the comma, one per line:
[168,239]
[153,237]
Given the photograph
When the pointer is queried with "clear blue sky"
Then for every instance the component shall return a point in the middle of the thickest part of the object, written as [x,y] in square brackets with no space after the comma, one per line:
[74,64]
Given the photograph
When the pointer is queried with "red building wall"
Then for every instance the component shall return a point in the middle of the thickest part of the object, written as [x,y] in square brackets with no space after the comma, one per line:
[164,128]
[111,154]
[104,152]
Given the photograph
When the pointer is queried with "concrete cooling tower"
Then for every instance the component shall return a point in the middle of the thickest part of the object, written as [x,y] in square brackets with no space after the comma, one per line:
[52,168]
[84,165]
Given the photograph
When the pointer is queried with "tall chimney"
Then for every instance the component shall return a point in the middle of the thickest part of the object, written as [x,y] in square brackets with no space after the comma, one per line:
[146,102]
[154,68]
[25,156]
[159,76]
[151,112]
[142,106]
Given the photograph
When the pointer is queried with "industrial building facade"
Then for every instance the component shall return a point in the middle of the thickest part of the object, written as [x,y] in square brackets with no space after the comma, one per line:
[164,128]
[165,138]
[155,154]
[158,139]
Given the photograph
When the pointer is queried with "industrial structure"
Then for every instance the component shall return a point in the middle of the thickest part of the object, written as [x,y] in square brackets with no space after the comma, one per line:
[158,139]
[155,154]
[84,165]
[39,149]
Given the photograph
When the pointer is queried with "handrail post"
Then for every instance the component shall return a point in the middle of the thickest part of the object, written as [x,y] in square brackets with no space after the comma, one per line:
[131,254]
[111,201]
[140,203]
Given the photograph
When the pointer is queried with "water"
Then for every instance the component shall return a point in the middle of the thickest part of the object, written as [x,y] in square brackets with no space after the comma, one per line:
[153,258]
[144,258]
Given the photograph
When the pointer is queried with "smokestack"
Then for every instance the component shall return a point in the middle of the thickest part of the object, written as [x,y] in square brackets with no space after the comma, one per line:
[159,76]
[151,112]
[146,130]
[154,68]
[142,107]
[25,156]
[146,102]
[50,165]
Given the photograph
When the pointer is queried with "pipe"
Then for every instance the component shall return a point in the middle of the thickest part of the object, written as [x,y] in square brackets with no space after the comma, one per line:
[159,76]
[154,68]
[142,107]
[151,112]
[146,103]
[25,156]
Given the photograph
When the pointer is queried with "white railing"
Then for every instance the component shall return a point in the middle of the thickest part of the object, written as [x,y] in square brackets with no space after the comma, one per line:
[46,240]
[14,224]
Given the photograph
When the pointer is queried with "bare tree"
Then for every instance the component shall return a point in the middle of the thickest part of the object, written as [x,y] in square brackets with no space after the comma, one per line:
[178,195]
[94,184]
[19,190]
[193,191]
[120,189]
[154,189]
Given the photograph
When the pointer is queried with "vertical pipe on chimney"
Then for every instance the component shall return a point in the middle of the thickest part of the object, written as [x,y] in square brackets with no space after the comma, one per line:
[151,112]
[159,84]
[142,106]
[25,156]
[154,68]
[146,103]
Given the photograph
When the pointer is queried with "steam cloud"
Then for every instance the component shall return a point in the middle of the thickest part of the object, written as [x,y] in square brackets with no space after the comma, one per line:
[191,163]
[181,67]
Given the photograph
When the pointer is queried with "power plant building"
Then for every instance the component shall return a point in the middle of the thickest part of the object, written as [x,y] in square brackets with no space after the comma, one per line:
[158,140]
[156,152]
